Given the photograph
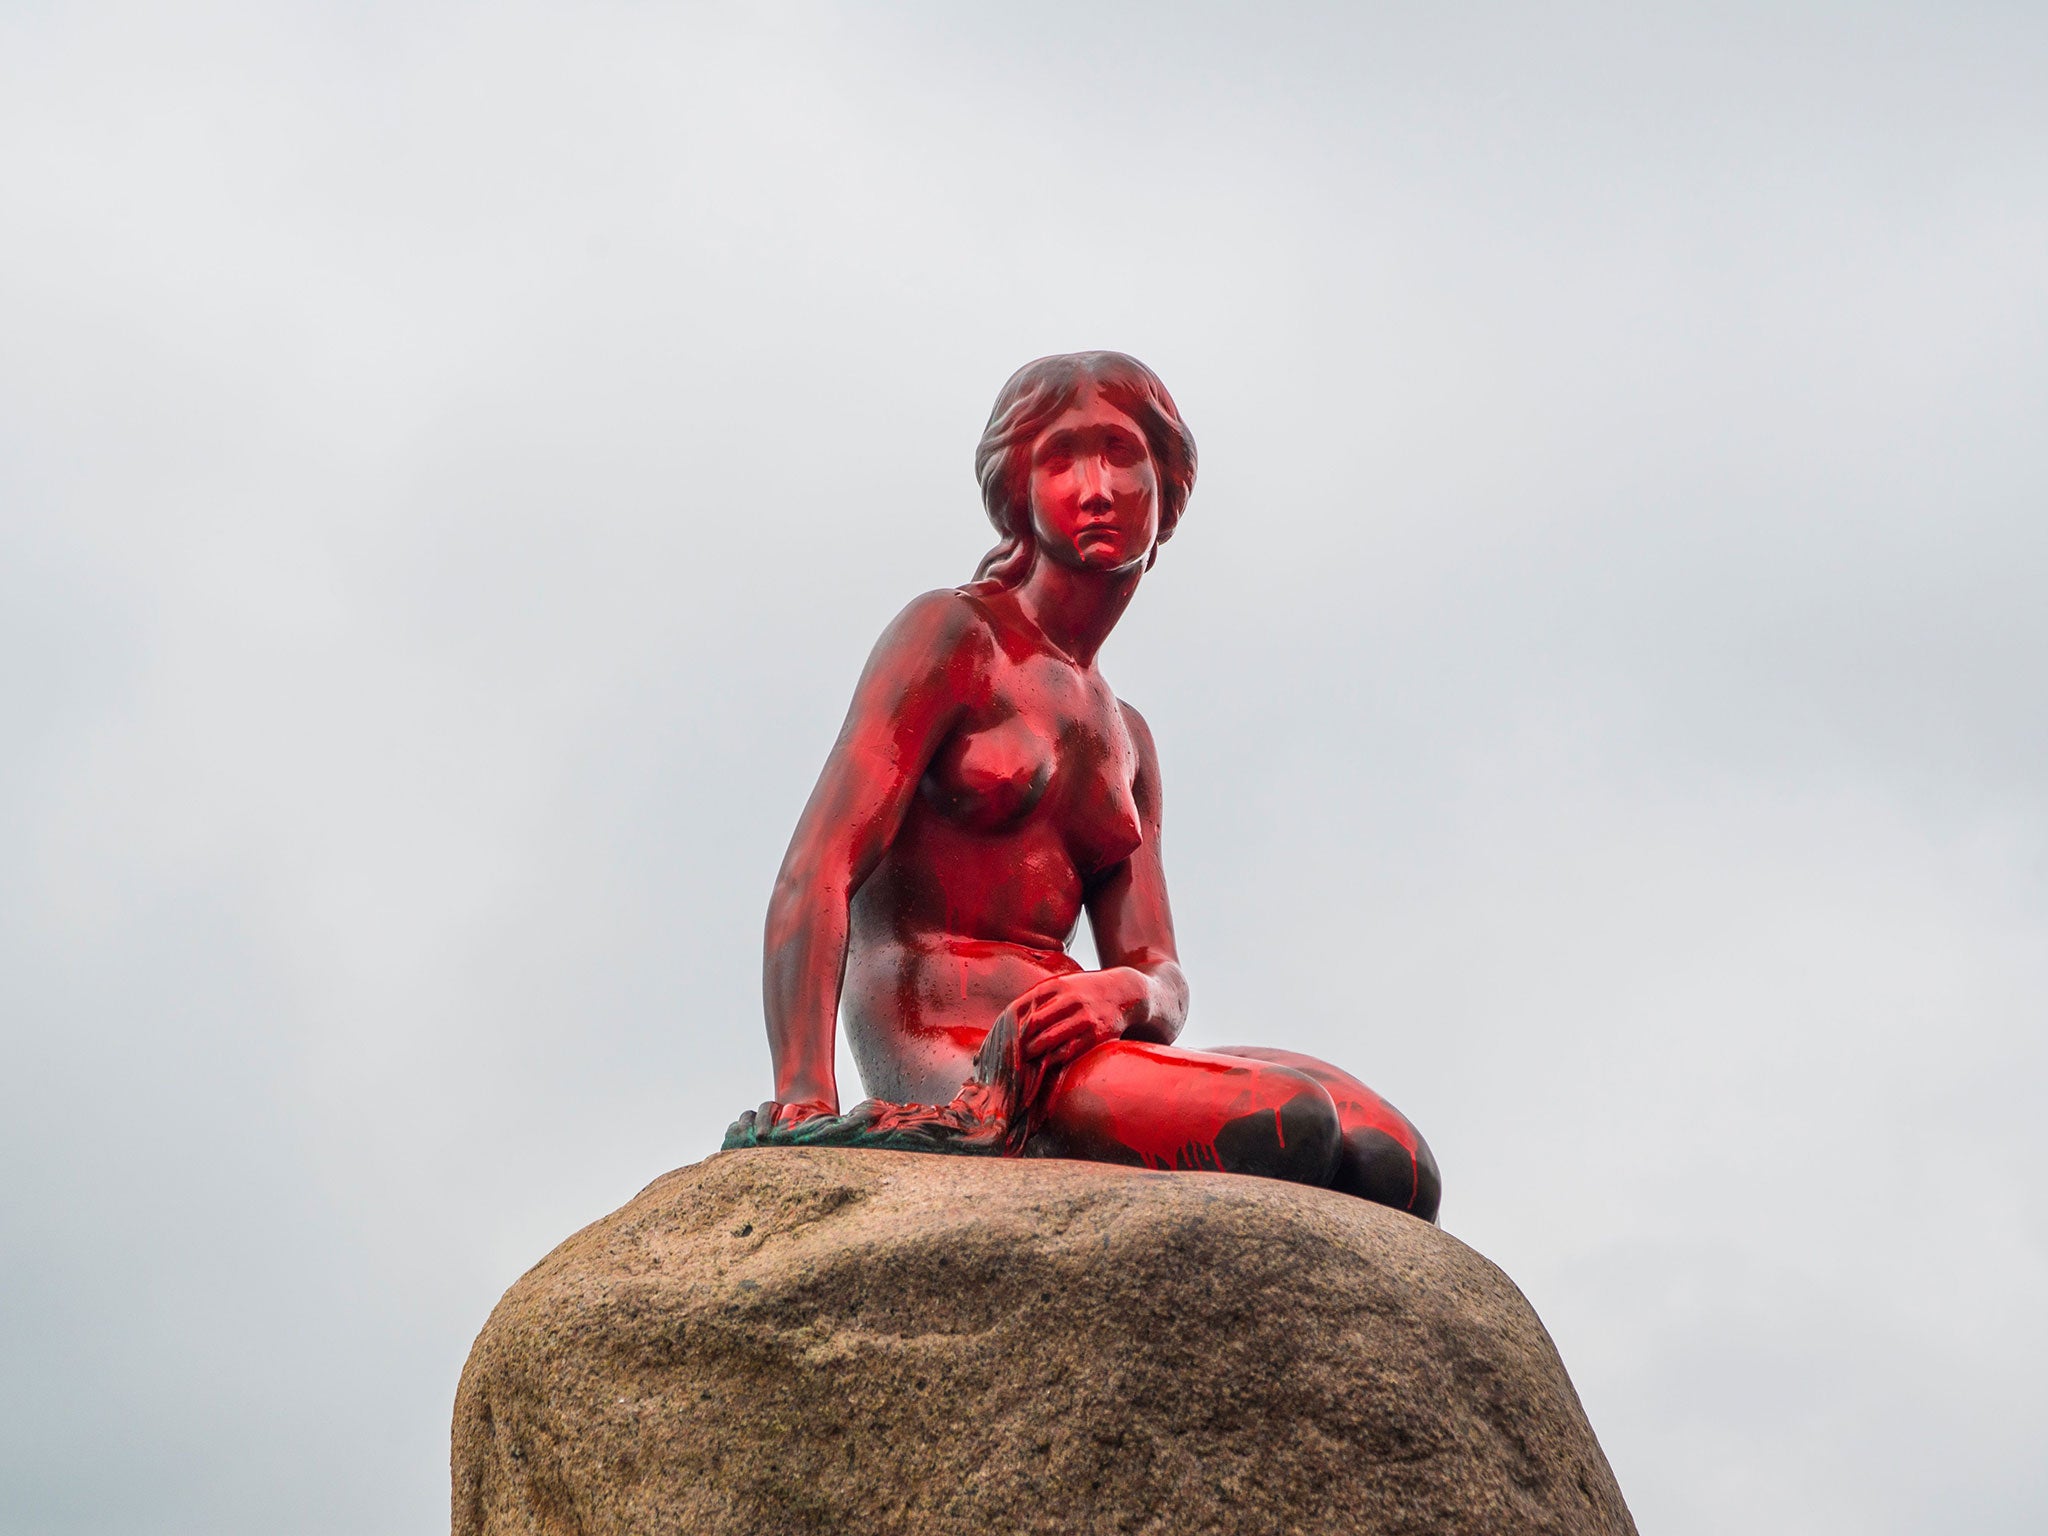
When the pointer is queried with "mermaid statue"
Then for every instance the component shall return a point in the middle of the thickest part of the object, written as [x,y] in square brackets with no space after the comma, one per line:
[988,788]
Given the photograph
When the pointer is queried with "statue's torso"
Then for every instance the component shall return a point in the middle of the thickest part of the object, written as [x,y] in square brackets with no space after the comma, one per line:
[1026,804]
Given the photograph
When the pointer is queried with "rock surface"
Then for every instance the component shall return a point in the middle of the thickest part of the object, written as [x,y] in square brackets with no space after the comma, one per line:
[797,1341]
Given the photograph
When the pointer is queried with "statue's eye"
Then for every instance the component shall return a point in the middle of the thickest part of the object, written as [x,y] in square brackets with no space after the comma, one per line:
[1124,453]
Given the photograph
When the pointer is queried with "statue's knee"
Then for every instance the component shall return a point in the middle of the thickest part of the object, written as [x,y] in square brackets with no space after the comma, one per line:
[1377,1167]
[1429,1183]
[1298,1139]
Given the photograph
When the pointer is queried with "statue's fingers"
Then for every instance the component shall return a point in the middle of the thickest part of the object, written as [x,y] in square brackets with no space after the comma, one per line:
[1068,1050]
[1035,1014]
[1054,1028]
[1034,998]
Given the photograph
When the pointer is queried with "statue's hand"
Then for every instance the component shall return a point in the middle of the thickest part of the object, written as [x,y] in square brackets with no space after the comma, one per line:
[1065,1017]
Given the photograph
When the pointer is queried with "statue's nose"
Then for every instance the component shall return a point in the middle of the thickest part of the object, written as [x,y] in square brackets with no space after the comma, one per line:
[1094,483]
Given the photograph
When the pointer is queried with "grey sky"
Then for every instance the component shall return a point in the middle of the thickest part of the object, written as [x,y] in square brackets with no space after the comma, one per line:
[453,460]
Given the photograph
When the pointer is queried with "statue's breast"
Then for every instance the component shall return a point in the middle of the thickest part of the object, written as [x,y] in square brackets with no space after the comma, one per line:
[1099,813]
[1058,752]
[991,779]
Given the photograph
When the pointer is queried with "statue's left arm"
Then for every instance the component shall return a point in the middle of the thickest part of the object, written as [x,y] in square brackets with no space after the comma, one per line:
[1139,993]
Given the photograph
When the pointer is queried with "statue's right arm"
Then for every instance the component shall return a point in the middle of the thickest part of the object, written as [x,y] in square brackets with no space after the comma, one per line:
[923,674]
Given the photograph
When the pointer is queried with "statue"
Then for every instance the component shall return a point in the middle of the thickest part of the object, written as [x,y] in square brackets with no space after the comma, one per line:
[985,790]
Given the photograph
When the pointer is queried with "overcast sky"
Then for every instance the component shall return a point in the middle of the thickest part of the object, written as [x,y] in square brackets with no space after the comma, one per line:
[454,459]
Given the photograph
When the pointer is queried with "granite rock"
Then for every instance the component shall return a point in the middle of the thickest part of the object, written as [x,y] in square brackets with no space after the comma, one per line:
[813,1340]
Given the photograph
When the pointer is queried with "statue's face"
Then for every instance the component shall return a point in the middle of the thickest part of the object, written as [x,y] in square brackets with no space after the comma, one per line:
[1094,492]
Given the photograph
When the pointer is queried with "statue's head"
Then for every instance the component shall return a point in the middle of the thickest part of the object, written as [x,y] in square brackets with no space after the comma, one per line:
[1085,457]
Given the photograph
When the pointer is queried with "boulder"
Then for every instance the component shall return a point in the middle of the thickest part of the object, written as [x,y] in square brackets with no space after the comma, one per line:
[819,1340]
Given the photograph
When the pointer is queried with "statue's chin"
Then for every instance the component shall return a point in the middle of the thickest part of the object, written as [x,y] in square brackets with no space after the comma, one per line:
[1102,558]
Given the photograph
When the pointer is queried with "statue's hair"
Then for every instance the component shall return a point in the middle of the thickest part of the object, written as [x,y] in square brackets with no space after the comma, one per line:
[1036,396]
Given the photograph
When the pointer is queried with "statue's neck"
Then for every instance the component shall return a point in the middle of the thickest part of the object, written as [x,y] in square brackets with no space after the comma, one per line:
[1076,609]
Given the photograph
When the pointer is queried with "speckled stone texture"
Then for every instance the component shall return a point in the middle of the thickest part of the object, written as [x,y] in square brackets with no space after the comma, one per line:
[810,1340]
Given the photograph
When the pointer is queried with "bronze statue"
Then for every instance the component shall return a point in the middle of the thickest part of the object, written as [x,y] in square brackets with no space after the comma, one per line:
[985,790]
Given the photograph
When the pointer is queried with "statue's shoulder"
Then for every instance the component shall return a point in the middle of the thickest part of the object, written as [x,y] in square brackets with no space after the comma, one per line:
[1135,723]
[948,623]
[1141,739]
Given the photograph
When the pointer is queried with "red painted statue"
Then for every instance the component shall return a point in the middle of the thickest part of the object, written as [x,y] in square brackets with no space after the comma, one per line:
[986,789]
